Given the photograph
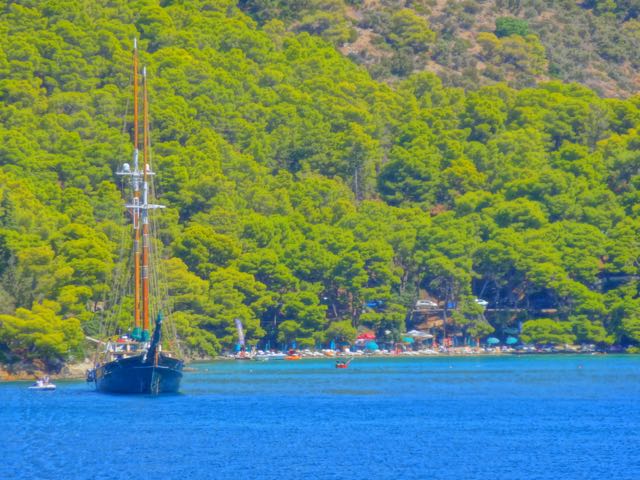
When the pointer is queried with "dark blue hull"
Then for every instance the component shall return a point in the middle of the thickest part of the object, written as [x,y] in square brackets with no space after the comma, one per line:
[135,375]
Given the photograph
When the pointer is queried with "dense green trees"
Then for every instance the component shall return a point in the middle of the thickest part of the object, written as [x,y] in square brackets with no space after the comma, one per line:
[303,197]
[506,26]
[40,334]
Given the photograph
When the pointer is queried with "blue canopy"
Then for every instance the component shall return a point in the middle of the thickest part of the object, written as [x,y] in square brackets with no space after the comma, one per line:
[408,340]
[511,340]
[372,346]
[375,303]
[492,341]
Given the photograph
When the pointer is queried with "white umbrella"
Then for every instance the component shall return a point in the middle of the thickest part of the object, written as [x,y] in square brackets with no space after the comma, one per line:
[418,334]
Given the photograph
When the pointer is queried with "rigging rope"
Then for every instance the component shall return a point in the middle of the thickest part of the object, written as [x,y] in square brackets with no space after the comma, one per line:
[160,282]
[113,298]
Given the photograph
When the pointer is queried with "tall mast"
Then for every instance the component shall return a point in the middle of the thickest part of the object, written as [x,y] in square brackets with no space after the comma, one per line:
[140,206]
[137,331]
[145,211]
[136,141]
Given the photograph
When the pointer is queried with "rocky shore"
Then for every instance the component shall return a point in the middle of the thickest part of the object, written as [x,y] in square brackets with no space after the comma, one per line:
[32,371]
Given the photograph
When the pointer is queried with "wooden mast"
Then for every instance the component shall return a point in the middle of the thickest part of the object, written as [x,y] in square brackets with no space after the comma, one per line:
[137,331]
[145,212]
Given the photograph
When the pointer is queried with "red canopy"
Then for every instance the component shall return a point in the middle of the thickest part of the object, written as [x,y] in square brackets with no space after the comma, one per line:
[367,336]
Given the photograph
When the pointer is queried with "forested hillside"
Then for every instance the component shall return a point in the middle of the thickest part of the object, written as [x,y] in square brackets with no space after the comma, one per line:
[298,187]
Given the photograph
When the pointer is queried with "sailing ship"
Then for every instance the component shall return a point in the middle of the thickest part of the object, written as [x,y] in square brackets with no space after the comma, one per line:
[136,362]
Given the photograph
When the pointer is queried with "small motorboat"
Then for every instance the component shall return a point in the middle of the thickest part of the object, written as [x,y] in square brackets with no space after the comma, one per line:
[42,384]
[343,363]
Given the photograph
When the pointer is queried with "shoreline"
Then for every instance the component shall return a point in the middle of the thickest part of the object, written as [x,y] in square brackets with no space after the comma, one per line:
[433,355]
[77,371]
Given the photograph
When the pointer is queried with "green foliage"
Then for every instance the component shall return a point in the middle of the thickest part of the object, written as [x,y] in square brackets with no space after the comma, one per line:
[630,328]
[625,9]
[587,331]
[41,333]
[545,330]
[470,316]
[318,17]
[341,331]
[513,56]
[298,188]
[506,26]
[410,30]
[200,246]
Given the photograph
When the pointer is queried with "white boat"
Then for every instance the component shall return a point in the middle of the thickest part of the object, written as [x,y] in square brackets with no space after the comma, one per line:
[43,384]
[269,356]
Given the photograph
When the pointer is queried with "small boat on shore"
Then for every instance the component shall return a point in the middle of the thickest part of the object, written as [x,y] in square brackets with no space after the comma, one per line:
[42,384]
[293,355]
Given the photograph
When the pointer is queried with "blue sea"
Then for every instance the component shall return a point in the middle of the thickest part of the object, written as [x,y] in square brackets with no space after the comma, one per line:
[529,417]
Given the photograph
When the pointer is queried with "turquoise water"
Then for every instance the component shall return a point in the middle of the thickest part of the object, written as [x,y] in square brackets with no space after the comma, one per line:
[560,417]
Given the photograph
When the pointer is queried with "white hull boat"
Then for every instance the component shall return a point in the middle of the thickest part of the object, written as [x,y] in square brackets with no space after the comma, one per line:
[42,385]
[269,356]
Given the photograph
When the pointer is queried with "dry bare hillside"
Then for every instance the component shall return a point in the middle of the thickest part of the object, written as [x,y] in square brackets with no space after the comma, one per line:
[478,42]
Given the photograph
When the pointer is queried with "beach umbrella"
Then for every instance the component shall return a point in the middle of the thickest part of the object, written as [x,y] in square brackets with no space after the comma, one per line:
[511,340]
[492,341]
[418,334]
[372,346]
[408,340]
